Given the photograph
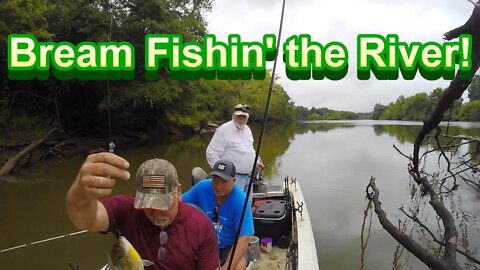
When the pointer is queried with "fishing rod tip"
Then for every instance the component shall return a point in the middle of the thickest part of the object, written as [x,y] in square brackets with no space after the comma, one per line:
[111,147]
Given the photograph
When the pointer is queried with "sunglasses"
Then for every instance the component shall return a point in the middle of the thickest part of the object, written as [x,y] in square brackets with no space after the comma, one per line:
[215,215]
[244,108]
[162,251]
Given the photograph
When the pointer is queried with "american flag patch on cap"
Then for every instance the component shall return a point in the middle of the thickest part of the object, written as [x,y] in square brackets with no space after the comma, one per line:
[154,181]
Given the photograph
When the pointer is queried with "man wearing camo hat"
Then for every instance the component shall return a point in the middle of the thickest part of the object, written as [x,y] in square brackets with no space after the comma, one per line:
[168,233]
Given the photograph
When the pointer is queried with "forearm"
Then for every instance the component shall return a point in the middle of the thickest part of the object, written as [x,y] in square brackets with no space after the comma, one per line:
[81,209]
[242,247]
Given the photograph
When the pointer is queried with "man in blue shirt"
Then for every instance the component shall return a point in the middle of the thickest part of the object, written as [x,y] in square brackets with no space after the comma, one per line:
[223,201]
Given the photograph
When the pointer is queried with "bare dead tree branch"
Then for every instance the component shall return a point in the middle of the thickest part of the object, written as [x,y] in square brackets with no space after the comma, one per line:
[416,249]
[457,87]
[417,220]
[442,154]
[435,239]
[455,90]
[473,139]
[401,153]
[450,235]
[470,182]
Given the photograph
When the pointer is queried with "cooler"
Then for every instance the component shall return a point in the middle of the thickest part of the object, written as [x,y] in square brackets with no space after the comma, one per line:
[271,219]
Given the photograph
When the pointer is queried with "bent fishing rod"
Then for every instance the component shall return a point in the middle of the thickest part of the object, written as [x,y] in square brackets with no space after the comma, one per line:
[262,132]
[42,241]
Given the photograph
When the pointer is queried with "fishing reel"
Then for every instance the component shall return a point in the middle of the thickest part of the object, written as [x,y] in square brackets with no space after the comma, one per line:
[258,176]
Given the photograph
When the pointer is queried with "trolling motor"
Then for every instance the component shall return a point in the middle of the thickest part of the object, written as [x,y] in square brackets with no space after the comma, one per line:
[258,185]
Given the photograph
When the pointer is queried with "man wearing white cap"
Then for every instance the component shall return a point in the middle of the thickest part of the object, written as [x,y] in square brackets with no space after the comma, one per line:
[165,231]
[234,141]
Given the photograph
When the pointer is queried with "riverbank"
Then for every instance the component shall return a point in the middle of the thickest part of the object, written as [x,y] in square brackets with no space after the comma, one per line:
[21,148]
[30,145]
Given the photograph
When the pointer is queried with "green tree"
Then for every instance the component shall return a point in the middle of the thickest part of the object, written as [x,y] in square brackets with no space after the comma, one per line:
[79,104]
[470,111]
[415,107]
[302,112]
[434,96]
[378,110]
[418,106]
[18,16]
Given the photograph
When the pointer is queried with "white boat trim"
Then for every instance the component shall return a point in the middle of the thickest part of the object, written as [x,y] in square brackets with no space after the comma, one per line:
[307,251]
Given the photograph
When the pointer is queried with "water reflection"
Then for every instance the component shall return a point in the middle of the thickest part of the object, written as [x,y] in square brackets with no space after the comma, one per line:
[322,126]
[368,212]
[332,160]
[408,133]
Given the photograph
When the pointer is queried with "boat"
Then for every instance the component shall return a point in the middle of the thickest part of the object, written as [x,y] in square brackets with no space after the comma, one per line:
[280,213]
[280,216]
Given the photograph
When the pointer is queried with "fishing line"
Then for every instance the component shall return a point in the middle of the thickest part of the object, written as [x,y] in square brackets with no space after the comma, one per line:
[282,157]
[42,241]
[111,145]
[259,146]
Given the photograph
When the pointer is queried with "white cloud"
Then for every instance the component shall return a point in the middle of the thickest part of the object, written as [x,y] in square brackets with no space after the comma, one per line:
[337,20]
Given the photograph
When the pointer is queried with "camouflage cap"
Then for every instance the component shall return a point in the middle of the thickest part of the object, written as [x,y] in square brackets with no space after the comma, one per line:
[241,109]
[157,184]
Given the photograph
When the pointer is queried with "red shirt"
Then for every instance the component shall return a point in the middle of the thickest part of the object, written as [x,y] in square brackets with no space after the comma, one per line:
[192,243]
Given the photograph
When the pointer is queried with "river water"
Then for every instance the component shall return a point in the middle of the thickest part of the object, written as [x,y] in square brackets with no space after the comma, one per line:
[333,161]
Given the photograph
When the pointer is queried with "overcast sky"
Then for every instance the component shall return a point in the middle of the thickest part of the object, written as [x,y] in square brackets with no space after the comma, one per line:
[342,21]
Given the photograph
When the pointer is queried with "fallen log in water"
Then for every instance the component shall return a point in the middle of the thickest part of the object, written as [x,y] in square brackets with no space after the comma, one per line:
[12,162]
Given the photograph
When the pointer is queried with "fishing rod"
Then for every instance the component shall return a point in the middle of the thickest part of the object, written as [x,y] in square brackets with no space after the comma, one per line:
[42,241]
[262,132]
[111,145]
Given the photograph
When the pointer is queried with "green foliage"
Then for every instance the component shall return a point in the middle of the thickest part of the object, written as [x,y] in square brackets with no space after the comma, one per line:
[23,16]
[418,107]
[314,116]
[378,110]
[335,115]
[324,114]
[470,111]
[454,111]
[138,104]
[18,16]
[301,112]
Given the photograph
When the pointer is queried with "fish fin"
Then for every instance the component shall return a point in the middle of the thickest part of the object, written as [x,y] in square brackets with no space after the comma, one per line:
[147,263]
[74,266]
[109,263]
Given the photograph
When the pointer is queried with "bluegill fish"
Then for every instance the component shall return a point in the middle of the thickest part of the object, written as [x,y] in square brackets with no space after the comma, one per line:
[123,256]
